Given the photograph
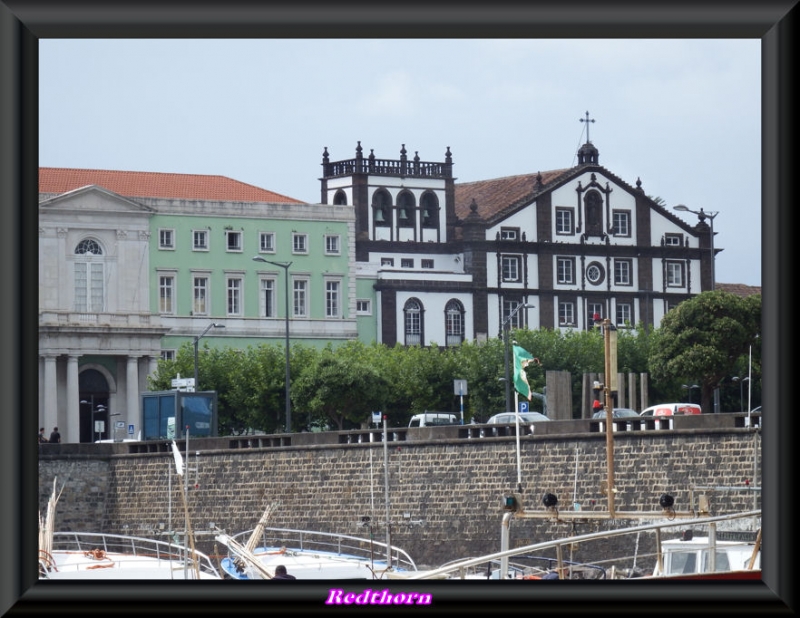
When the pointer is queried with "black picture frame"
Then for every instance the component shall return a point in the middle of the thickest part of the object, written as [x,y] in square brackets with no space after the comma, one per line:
[24,22]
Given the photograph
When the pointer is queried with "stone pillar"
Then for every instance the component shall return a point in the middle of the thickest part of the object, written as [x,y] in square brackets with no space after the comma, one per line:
[72,425]
[132,391]
[50,394]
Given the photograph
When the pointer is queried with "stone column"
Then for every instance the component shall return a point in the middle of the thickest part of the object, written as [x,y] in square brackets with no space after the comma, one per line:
[50,394]
[131,414]
[72,425]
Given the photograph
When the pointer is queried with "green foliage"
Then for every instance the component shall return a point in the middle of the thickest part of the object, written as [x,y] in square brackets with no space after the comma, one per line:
[705,340]
[339,386]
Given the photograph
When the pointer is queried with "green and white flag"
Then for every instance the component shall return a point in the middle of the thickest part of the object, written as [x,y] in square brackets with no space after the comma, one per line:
[522,358]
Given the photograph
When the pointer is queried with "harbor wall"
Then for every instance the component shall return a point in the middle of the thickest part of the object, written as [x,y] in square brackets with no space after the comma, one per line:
[446,485]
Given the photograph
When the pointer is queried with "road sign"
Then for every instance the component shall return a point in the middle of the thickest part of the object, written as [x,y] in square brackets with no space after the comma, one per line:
[130,430]
[183,384]
[523,406]
[120,425]
[460,387]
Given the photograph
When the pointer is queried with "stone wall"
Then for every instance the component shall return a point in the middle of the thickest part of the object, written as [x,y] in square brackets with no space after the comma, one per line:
[446,493]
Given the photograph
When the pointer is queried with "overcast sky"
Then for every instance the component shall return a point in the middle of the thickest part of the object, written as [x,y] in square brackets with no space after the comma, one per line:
[682,115]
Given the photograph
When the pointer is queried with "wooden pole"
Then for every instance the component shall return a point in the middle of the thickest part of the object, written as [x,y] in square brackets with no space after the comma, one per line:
[609,402]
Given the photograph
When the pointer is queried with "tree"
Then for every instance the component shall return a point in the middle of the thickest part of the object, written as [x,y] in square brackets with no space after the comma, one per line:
[339,386]
[703,338]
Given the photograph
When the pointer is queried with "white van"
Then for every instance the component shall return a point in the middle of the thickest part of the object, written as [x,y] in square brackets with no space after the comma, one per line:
[672,409]
[428,419]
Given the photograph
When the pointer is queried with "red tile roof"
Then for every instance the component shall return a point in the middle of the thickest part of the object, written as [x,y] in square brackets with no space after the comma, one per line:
[495,195]
[740,289]
[157,185]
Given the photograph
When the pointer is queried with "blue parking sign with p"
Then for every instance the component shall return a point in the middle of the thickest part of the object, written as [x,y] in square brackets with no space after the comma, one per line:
[523,406]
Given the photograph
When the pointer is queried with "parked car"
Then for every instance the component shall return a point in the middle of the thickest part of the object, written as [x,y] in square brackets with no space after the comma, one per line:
[672,409]
[507,418]
[756,410]
[617,413]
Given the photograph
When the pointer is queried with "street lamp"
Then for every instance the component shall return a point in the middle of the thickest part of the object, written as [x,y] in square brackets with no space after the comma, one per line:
[689,388]
[741,380]
[506,328]
[196,340]
[99,408]
[711,216]
[285,266]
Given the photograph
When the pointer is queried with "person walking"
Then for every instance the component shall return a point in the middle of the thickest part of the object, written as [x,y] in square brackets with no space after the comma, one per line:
[42,438]
[55,437]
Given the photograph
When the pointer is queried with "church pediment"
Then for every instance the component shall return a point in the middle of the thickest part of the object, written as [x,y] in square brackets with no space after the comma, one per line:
[93,198]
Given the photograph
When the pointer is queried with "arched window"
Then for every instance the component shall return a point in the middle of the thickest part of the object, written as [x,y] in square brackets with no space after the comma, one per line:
[89,277]
[429,205]
[381,202]
[454,323]
[340,199]
[412,320]
[406,209]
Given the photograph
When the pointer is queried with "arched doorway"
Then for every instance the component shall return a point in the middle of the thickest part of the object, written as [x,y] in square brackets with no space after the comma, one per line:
[93,388]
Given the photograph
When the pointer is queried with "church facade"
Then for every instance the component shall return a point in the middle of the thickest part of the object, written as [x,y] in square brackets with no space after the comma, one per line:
[455,261]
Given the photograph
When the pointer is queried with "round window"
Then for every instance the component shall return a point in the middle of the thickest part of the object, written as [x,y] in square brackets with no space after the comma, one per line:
[594,273]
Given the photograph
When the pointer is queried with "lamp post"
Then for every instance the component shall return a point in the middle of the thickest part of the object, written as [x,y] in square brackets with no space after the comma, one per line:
[690,387]
[506,328]
[285,266]
[741,380]
[196,341]
[702,214]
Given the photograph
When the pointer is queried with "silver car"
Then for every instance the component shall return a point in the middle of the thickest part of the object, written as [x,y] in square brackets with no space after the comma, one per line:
[508,418]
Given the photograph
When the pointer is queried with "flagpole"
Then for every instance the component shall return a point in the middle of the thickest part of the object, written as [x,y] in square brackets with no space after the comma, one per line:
[519,465]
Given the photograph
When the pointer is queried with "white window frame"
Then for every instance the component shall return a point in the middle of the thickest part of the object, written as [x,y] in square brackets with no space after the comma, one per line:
[168,355]
[90,296]
[510,268]
[673,240]
[565,221]
[363,306]
[621,219]
[166,238]
[270,238]
[509,306]
[591,309]
[426,263]
[267,296]
[239,246]
[333,244]
[333,298]
[509,233]
[623,272]
[406,262]
[206,293]
[206,236]
[167,292]
[674,274]
[566,313]
[300,297]
[299,243]
[564,264]
[234,295]
[624,313]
